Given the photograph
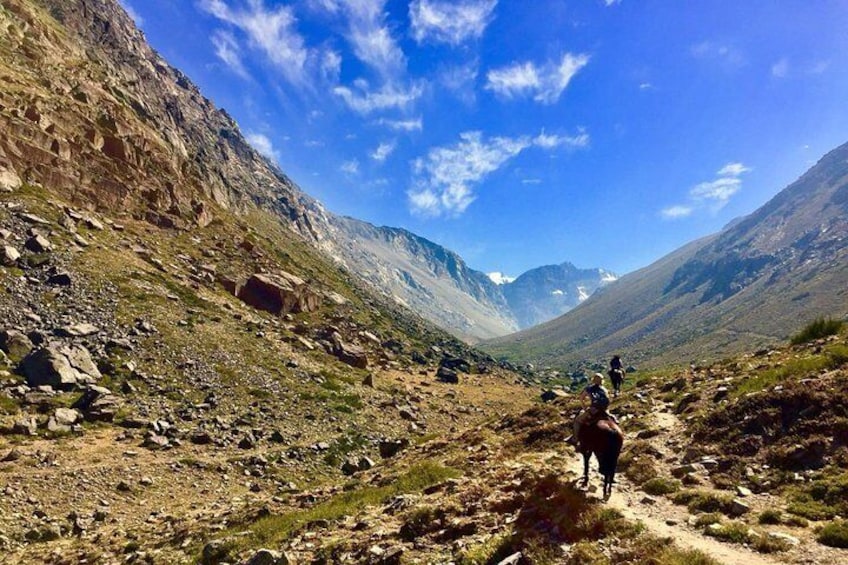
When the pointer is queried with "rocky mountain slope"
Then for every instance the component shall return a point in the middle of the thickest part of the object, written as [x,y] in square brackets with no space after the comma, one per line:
[437,283]
[749,286]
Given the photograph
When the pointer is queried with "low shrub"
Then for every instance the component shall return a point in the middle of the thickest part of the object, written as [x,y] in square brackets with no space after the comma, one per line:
[700,501]
[817,329]
[661,485]
[834,534]
[770,516]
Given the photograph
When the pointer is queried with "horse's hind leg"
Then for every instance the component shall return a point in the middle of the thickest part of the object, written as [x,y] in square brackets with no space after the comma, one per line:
[585,479]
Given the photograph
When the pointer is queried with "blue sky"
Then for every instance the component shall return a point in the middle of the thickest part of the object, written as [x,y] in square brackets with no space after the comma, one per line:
[521,133]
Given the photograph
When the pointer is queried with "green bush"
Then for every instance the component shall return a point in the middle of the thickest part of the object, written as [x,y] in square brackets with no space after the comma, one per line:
[770,516]
[661,485]
[834,534]
[700,501]
[817,329]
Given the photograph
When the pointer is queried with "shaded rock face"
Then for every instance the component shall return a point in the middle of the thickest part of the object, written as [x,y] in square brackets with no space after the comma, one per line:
[281,293]
[63,368]
[128,115]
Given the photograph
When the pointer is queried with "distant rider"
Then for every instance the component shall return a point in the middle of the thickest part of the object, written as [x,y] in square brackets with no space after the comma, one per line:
[616,373]
[598,398]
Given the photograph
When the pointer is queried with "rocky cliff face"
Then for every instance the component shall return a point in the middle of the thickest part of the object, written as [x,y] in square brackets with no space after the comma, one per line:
[90,109]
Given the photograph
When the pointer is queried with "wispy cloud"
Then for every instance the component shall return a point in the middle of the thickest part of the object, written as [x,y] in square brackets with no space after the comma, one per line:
[611,2]
[416,124]
[263,144]
[132,13]
[721,53]
[269,30]
[733,170]
[452,22]
[383,150]
[676,212]
[365,101]
[545,83]
[780,69]
[461,80]
[369,34]
[711,195]
[227,49]
[350,167]
[551,141]
[446,177]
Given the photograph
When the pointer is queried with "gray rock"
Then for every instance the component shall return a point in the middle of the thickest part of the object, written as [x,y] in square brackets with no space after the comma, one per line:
[513,559]
[447,375]
[78,330]
[66,416]
[9,255]
[15,344]
[9,180]
[38,244]
[739,507]
[268,557]
[48,366]
[791,540]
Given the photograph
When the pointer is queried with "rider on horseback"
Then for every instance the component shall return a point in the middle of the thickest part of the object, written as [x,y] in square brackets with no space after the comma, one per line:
[616,373]
[599,400]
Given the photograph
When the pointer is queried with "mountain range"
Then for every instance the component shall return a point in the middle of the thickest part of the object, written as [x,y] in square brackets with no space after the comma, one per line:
[751,285]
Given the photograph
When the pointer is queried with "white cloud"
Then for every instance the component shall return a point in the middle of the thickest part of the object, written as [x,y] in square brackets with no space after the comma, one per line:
[264,145]
[368,34]
[382,152]
[612,2]
[675,212]
[350,167]
[415,124]
[544,83]
[780,69]
[227,49]
[718,191]
[645,86]
[711,195]
[446,177]
[547,141]
[450,22]
[132,13]
[557,292]
[733,170]
[531,181]
[366,101]
[726,55]
[269,30]
[819,67]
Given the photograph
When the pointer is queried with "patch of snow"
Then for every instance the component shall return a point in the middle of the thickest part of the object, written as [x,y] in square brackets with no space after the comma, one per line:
[582,294]
[607,277]
[500,278]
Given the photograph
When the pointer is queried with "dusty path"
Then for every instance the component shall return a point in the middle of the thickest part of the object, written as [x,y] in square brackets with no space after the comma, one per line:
[663,518]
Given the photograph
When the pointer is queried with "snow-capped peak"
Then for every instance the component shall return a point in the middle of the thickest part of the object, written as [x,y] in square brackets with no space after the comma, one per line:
[500,278]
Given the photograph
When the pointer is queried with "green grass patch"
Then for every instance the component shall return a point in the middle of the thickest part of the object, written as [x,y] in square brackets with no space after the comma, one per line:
[700,501]
[8,406]
[794,368]
[708,519]
[770,516]
[821,499]
[734,532]
[817,329]
[661,486]
[493,550]
[274,530]
[834,534]
[675,556]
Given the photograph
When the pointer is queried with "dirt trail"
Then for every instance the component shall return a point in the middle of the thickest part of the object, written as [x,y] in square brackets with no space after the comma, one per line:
[664,519]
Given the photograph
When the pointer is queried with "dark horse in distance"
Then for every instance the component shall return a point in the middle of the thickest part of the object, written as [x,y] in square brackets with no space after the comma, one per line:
[604,439]
[616,377]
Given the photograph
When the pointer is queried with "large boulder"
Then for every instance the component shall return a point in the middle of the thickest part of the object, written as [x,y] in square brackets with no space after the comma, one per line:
[15,344]
[347,353]
[98,404]
[281,293]
[64,368]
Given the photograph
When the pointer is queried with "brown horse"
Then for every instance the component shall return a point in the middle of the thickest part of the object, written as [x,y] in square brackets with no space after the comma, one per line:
[603,438]
[616,377]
